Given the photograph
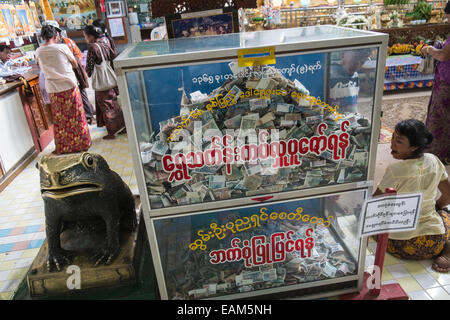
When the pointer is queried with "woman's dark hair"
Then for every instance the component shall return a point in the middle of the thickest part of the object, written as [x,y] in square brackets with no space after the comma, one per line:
[94,31]
[48,32]
[100,23]
[3,47]
[447,8]
[416,132]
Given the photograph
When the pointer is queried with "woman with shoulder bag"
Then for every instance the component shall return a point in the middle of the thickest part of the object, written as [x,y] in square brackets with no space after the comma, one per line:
[100,68]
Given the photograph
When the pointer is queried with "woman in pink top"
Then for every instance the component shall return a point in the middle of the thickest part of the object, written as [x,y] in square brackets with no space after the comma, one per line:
[56,61]
[438,116]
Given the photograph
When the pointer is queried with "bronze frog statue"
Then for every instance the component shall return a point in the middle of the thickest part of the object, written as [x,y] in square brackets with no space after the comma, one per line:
[81,188]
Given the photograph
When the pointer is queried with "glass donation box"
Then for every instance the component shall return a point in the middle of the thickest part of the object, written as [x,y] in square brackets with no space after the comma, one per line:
[254,154]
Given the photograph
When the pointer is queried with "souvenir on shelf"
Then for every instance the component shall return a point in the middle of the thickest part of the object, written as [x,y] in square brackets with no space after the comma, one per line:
[18,27]
[34,15]
[8,18]
[23,14]
[4,29]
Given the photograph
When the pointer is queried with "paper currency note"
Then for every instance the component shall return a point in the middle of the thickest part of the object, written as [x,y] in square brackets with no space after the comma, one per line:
[313,120]
[265,83]
[285,108]
[256,104]
[248,122]
[360,158]
[160,148]
[234,122]
[293,116]
[287,123]
[270,116]
[222,194]
[216,182]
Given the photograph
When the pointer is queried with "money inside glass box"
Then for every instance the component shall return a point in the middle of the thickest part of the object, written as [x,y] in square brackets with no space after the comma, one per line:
[257,133]
[194,267]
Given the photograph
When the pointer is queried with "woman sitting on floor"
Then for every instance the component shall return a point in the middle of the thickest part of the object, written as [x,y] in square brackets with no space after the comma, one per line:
[419,172]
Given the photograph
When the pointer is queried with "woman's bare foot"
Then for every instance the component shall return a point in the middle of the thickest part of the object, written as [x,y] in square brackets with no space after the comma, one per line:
[442,263]
[109,137]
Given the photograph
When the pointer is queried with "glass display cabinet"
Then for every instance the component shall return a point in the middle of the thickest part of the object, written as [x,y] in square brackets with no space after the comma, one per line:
[254,154]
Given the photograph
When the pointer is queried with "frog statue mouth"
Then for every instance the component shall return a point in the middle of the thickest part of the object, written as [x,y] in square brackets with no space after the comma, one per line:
[71,189]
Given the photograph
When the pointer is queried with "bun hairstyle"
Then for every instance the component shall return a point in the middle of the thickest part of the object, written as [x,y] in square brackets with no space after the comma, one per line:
[48,32]
[94,31]
[3,47]
[99,23]
[417,134]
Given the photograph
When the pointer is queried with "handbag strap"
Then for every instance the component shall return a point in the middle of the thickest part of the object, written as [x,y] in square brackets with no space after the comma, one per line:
[101,51]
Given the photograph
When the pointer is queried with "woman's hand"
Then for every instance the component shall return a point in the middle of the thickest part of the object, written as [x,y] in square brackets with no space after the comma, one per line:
[444,199]
[425,50]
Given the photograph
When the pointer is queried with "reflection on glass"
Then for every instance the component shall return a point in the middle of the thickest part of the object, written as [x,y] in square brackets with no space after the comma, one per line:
[260,247]
[242,40]
[218,131]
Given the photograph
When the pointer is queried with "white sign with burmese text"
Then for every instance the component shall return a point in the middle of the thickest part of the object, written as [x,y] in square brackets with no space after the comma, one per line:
[391,214]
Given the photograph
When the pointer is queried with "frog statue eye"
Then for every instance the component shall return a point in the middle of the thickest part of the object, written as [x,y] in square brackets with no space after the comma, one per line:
[88,161]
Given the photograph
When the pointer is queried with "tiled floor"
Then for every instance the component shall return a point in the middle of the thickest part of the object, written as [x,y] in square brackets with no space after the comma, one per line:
[22,227]
[417,278]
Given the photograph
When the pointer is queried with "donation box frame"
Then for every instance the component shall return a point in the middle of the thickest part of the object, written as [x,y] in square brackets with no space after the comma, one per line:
[255,228]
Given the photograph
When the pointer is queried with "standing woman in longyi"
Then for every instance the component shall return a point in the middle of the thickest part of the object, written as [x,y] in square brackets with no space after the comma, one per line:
[56,61]
[109,112]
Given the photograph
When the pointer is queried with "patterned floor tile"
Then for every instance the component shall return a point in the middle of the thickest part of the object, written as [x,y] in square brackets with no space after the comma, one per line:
[386,275]
[419,295]
[398,271]
[414,267]
[14,255]
[30,253]
[390,260]
[9,285]
[438,294]
[7,265]
[17,274]
[447,288]
[6,247]
[6,295]
[426,281]
[442,278]
[409,284]
[4,275]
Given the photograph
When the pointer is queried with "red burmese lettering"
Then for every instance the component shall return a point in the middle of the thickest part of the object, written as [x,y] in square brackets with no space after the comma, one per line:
[263,151]
[301,148]
[258,250]
[321,128]
[234,253]
[215,142]
[278,249]
[220,256]
[300,246]
[333,145]
[343,143]
[167,162]
[213,157]
[318,144]
[292,147]
[274,149]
